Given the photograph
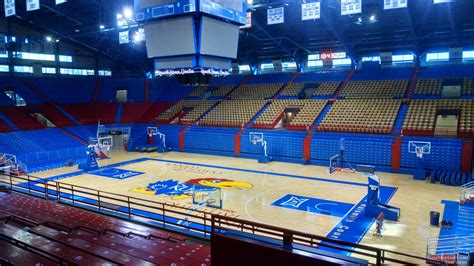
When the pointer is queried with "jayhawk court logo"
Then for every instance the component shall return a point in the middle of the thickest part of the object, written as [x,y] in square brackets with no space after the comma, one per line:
[184,190]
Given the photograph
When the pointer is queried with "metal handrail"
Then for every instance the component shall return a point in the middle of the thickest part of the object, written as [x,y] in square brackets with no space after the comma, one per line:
[73,195]
[78,195]
[222,224]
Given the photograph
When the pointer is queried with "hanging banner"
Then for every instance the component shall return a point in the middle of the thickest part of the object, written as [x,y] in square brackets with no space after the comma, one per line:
[248,24]
[10,8]
[60,2]
[275,15]
[124,37]
[349,7]
[310,10]
[392,4]
[32,5]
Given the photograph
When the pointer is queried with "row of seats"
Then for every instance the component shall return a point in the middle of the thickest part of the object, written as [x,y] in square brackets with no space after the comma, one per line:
[21,117]
[307,111]
[292,89]
[4,127]
[141,112]
[222,90]
[233,113]
[93,112]
[255,91]
[428,87]
[198,91]
[186,110]
[363,116]
[468,87]
[326,88]
[59,234]
[197,111]
[375,89]
[55,116]
[422,114]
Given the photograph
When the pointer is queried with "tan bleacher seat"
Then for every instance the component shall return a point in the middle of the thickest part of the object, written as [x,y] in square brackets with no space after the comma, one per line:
[198,107]
[375,89]
[198,111]
[428,87]
[308,112]
[222,90]
[233,113]
[255,91]
[422,114]
[361,116]
[326,88]
[468,87]
[197,92]
[292,89]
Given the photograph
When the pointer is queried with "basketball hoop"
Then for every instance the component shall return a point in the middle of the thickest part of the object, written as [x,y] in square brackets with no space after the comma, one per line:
[419,152]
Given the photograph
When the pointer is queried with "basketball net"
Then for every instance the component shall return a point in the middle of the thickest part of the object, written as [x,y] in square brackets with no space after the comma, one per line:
[419,153]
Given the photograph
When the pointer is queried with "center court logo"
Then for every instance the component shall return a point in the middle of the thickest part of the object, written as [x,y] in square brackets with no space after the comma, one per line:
[178,190]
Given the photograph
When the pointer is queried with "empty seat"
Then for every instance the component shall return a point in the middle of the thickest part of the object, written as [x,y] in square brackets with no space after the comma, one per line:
[375,89]
[361,116]
[233,113]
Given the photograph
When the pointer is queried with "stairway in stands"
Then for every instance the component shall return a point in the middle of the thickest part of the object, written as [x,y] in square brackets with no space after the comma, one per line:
[118,113]
[343,84]
[49,101]
[412,83]
[8,122]
[247,78]
[321,116]
[98,88]
[252,121]
[397,126]
[292,79]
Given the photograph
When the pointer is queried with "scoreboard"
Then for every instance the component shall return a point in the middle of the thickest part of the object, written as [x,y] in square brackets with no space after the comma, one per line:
[154,9]
[232,10]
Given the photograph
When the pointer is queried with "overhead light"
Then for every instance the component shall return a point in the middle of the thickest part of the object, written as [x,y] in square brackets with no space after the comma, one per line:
[102,27]
[372,18]
[136,37]
[119,16]
[49,39]
[250,2]
[128,13]
[57,40]
[77,30]
[359,19]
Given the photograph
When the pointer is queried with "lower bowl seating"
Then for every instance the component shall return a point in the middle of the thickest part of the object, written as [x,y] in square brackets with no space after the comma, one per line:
[361,116]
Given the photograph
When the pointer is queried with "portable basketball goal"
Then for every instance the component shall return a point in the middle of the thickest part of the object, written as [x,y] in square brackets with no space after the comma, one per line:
[338,162]
[161,145]
[207,197]
[102,146]
[419,148]
[9,164]
[257,139]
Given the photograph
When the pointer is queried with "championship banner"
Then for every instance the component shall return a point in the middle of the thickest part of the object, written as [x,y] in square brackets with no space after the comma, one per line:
[10,8]
[60,2]
[349,7]
[275,15]
[124,37]
[32,5]
[393,4]
[310,10]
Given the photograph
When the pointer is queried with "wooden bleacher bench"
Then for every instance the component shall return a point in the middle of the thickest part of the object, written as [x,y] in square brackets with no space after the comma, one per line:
[56,251]
[12,255]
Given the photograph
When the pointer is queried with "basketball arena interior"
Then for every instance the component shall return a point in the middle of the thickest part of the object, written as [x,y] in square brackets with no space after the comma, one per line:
[236,132]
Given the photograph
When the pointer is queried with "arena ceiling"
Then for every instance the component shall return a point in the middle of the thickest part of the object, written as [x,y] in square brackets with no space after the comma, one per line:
[418,28]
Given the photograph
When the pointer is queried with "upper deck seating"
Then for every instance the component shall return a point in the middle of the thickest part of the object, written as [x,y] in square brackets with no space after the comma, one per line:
[375,89]
[255,91]
[233,113]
